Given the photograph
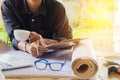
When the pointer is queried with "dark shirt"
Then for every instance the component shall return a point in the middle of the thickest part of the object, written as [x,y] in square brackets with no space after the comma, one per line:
[50,21]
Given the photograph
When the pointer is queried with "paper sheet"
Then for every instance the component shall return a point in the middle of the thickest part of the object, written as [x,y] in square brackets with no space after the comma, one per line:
[84,64]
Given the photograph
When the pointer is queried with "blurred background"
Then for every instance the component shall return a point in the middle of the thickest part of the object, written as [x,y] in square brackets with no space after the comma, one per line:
[98,20]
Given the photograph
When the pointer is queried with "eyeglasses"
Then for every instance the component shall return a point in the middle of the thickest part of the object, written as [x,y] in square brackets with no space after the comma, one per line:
[42,64]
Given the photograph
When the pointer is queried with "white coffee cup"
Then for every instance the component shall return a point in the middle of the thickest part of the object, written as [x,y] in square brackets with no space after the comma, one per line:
[21,35]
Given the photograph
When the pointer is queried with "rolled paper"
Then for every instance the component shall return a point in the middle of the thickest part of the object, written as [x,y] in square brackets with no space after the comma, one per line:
[84,63]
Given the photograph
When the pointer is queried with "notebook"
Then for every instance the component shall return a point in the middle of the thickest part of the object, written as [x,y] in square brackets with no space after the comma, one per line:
[9,62]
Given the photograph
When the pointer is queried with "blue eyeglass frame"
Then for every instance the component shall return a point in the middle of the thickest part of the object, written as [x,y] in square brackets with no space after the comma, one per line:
[47,63]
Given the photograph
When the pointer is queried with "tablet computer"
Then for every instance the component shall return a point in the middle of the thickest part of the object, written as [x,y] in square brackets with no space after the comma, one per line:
[65,44]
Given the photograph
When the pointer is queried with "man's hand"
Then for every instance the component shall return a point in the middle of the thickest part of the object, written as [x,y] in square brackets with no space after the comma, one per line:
[35,50]
[34,37]
[36,45]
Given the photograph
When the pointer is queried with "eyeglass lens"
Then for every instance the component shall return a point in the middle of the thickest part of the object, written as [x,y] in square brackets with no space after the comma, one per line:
[41,65]
[53,66]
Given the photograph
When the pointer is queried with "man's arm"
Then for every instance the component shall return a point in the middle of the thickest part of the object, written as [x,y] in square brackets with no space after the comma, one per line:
[11,21]
[60,22]
[63,28]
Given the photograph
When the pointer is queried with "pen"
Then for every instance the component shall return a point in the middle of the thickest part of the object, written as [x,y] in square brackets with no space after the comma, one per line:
[37,47]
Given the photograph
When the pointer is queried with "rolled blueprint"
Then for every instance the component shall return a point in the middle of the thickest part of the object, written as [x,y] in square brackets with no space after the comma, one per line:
[84,64]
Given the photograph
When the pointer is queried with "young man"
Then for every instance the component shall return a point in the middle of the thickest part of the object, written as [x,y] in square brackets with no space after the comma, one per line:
[45,18]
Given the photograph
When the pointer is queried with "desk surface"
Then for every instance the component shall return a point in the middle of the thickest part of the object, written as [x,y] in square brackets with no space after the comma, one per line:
[32,73]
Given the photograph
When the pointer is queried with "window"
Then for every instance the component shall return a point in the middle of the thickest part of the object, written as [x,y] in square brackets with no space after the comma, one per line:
[93,19]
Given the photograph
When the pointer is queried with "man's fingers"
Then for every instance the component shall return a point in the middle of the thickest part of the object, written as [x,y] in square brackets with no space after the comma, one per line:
[38,49]
[35,37]
[42,42]
[37,53]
